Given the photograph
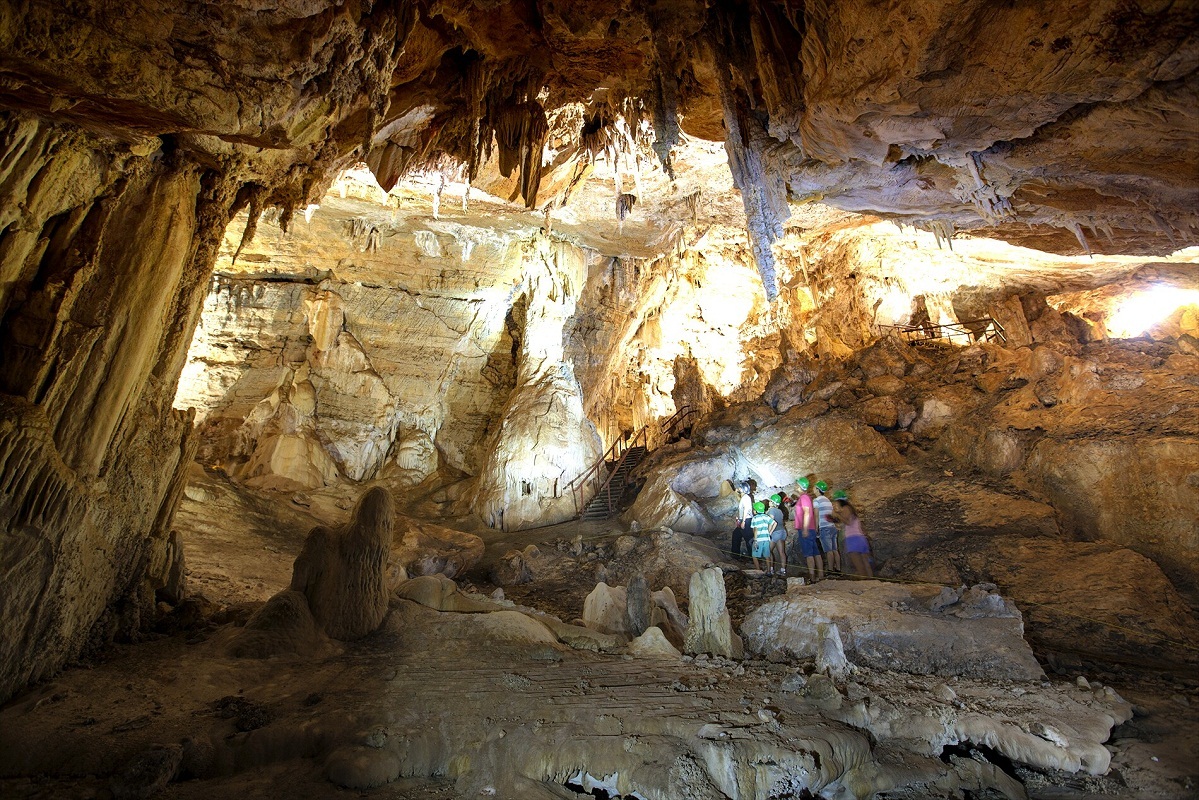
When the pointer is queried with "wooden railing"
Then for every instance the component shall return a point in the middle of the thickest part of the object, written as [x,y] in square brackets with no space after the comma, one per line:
[972,330]
[619,453]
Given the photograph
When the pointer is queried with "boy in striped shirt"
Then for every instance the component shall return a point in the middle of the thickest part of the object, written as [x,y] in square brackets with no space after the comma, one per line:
[763,525]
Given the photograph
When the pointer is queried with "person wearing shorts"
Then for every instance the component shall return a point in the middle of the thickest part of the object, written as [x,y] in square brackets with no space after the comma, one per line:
[805,529]
[778,538]
[827,529]
[763,525]
[857,548]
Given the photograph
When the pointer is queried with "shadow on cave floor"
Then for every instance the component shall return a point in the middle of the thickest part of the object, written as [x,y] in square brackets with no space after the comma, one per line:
[240,545]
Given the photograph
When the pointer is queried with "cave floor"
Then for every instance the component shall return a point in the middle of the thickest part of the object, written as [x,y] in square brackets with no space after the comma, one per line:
[463,709]
[445,695]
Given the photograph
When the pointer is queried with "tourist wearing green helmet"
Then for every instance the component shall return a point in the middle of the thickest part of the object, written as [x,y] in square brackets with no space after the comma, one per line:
[805,527]
[826,528]
[778,538]
[763,526]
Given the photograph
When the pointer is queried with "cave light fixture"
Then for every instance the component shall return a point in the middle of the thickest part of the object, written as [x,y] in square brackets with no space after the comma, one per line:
[1145,309]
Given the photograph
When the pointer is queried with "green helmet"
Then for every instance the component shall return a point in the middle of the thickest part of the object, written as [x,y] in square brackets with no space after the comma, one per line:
[802,483]
[821,487]
[840,495]
[776,498]
[759,507]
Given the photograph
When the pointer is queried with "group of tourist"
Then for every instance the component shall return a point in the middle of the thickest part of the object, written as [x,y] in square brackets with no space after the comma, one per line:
[823,526]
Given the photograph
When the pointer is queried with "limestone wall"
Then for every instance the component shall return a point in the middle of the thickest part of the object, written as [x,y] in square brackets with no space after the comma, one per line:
[104,261]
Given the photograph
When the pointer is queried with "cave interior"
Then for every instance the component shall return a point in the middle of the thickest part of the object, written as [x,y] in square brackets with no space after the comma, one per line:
[427,348]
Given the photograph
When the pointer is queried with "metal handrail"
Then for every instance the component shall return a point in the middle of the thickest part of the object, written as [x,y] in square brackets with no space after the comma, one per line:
[642,435]
[927,331]
[618,453]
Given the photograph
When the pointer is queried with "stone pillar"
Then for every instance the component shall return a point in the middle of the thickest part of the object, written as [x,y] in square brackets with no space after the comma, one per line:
[709,629]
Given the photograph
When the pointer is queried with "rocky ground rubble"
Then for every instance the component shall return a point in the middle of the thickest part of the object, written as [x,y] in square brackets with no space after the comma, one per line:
[1063,471]
[479,699]
[756,687]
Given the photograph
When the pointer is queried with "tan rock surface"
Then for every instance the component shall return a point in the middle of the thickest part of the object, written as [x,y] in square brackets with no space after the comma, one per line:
[133,135]
[424,548]
[1091,599]
[900,628]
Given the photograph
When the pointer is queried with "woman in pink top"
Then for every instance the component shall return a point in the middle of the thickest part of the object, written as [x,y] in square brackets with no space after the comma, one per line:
[856,546]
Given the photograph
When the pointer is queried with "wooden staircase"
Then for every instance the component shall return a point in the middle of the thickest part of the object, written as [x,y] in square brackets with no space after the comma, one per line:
[607,499]
[609,476]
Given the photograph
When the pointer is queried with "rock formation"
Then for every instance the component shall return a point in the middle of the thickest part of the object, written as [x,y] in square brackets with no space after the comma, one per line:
[132,137]
[341,571]
[905,629]
[422,548]
[709,629]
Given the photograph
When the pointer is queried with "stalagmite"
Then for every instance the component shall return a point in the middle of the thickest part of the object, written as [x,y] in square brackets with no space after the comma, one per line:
[341,571]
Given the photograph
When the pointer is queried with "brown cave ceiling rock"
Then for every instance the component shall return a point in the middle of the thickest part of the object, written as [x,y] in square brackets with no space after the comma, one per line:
[131,134]
[1077,118]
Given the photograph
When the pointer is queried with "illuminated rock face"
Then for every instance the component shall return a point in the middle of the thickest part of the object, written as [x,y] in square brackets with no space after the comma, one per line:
[125,154]
[543,439]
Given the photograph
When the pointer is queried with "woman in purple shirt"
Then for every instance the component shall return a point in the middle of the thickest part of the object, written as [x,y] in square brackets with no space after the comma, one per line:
[856,546]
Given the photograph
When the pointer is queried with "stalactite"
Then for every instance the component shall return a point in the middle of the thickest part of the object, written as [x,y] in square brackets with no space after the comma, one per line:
[693,201]
[666,112]
[776,70]
[942,230]
[991,206]
[1162,226]
[520,132]
[1082,237]
[254,193]
[763,192]
[624,205]
[382,45]
[474,86]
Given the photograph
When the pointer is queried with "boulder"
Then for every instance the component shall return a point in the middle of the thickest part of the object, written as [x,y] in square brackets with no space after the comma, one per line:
[942,407]
[888,356]
[606,609]
[1140,492]
[675,488]
[441,594]
[673,557]
[885,385]
[283,625]
[653,644]
[709,628]
[836,447]
[1091,599]
[881,413]
[341,571]
[733,423]
[148,774]
[511,570]
[889,627]
[422,548]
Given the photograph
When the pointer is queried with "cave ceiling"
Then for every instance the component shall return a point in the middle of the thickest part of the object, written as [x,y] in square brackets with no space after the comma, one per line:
[1068,127]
